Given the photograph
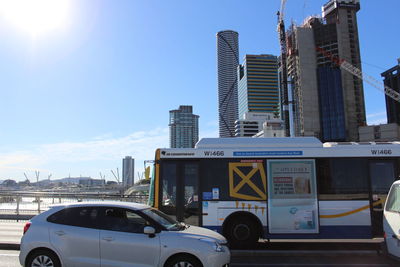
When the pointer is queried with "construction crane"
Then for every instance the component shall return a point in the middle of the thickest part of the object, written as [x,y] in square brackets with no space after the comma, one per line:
[284,81]
[116,176]
[26,176]
[343,64]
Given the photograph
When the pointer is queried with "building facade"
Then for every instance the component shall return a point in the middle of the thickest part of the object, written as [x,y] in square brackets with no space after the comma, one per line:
[328,101]
[183,127]
[227,63]
[258,89]
[128,171]
[253,123]
[380,133]
[392,80]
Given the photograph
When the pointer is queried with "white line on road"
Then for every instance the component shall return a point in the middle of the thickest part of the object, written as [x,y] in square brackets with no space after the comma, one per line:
[8,255]
[306,264]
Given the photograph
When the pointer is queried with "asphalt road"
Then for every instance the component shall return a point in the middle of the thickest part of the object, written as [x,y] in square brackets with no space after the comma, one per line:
[9,258]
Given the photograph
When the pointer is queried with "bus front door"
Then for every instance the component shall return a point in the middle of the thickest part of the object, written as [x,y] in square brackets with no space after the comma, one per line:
[382,175]
[179,191]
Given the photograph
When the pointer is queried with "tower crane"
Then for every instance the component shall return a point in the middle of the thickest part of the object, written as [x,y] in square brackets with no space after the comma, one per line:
[284,81]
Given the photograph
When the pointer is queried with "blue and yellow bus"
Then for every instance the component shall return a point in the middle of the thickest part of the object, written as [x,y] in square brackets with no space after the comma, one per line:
[276,188]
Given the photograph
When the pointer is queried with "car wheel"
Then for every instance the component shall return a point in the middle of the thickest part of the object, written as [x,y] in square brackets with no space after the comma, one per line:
[43,258]
[184,261]
[242,232]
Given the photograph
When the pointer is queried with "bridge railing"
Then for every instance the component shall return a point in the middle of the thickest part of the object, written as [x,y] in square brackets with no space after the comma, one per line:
[23,206]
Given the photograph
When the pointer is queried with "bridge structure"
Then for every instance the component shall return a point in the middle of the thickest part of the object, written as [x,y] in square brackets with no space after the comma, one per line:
[20,205]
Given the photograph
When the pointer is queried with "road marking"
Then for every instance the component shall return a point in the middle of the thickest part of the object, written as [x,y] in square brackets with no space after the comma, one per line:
[307,264]
[8,255]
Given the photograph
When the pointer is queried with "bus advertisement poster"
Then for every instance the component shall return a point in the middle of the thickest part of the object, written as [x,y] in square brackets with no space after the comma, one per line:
[292,198]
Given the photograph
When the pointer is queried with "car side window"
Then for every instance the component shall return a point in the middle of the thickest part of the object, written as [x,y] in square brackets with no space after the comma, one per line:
[78,216]
[122,220]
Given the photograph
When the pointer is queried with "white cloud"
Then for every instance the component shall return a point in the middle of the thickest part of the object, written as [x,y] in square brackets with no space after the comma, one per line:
[98,154]
[102,150]
[377,118]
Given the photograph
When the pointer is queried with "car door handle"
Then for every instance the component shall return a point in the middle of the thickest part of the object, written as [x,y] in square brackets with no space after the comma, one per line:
[60,233]
[108,239]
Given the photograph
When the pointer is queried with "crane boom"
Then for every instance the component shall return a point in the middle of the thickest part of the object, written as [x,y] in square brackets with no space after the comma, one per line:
[370,80]
[343,64]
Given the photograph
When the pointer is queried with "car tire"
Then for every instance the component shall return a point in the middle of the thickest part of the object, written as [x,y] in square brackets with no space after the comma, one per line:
[242,232]
[44,257]
[183,261]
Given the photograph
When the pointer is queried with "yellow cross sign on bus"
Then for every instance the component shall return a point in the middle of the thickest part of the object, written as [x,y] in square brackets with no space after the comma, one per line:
[257,171]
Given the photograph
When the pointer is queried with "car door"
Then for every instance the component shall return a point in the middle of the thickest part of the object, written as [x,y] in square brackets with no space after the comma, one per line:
[122,241]
[391,221]
[74,235]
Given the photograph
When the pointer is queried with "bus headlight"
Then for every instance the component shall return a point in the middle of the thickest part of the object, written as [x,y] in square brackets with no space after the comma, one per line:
[215,245]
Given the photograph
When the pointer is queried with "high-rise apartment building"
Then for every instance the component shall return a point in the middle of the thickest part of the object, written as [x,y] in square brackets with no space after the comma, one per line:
[328,101]
[227,63]
[128,171]
[183,127]
[392,79]
[258,89]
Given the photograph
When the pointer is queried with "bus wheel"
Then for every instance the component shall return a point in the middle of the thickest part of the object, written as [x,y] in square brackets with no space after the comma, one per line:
[242,232]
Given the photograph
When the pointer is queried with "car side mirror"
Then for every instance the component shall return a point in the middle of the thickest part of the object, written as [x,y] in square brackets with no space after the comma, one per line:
[150,231]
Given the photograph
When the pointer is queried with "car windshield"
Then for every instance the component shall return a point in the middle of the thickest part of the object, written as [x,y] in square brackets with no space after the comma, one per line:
[163,219]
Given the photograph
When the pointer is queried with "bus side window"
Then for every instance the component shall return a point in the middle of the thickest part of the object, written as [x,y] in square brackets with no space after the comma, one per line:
[342,178]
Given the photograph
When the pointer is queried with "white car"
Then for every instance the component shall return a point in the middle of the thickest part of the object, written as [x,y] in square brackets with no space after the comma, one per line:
[117,234]
[391,220]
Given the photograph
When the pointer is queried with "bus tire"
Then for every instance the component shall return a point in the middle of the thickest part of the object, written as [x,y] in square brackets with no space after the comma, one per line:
[242,232]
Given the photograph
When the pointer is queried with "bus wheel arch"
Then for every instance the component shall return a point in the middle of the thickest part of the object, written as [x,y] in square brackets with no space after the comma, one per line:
[242,229]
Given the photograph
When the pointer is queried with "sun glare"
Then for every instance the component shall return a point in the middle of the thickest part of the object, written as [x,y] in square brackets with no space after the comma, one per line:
[35,16]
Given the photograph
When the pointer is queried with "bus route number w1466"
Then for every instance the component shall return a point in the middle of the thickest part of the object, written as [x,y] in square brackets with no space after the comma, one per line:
[213,153]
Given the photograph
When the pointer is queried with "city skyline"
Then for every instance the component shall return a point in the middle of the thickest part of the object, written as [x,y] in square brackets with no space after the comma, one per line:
[76,99]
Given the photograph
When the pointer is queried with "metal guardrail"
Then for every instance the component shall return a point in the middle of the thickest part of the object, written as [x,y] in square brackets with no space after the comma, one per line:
[25,205]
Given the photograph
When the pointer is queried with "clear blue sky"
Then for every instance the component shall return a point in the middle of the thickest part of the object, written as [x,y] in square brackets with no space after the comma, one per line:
[77,99]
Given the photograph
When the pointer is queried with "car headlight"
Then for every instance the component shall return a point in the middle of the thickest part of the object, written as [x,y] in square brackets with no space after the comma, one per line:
[215,245]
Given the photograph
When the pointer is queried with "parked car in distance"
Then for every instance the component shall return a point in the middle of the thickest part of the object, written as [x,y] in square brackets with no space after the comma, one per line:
[117,234]
[391,221]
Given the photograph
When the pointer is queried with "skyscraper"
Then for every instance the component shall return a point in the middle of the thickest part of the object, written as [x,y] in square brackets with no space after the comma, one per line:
[328,101]
[227,63]
[183,127]
[392,79]
[258,89]
[128,171]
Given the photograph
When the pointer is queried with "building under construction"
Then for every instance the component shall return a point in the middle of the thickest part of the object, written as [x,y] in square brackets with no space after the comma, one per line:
[328,102]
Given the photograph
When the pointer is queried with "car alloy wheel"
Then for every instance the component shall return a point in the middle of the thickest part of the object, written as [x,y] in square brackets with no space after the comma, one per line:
[42,261]
[183,264]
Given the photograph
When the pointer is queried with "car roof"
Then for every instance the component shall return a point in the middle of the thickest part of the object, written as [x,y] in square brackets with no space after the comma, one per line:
[117,204]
